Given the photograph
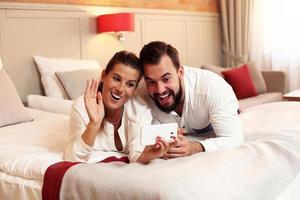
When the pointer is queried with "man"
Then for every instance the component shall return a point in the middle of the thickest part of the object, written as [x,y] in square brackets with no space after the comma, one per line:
[201,102]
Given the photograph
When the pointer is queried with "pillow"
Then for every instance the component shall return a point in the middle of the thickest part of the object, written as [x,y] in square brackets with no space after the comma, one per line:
[240,81]
[39,102]
[257,78]
[215,69]
[255,74]
[12,110]
[74,82]
[48,66]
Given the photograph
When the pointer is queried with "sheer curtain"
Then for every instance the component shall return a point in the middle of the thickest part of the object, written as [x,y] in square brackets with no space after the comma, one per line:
[276,38]
[236,16]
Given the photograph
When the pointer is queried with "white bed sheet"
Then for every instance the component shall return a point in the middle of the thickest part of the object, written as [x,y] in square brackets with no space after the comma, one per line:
[277,115]
[27,149]
[22,165]
[283,116]
[18,188]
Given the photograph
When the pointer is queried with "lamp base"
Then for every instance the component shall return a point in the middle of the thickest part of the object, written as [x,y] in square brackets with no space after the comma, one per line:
[120,36]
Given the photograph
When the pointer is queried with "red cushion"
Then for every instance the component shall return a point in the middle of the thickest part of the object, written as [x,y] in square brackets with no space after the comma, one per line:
[240,80]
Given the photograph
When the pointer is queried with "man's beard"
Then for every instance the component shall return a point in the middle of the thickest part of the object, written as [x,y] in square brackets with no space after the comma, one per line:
[173,106]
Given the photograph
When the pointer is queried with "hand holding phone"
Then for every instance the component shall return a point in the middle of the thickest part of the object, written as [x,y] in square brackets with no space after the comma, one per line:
[165,131]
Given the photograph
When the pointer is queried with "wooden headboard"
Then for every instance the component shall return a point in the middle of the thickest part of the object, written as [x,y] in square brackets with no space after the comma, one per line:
[69,31]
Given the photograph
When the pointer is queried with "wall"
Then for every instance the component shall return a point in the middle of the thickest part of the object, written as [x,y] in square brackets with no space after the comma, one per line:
[69,31]
[186,5]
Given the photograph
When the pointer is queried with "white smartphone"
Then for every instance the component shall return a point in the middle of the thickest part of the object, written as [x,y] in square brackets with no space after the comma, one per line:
[150,132]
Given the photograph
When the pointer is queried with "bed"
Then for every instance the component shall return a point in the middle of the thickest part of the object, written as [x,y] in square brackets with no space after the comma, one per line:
[27,149]
[267,166]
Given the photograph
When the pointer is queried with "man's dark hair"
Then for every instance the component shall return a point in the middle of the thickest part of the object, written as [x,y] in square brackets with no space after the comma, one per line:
[152,53]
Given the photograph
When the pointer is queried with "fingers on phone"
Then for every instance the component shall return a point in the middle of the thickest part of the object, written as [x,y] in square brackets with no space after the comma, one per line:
[173,139]
[180,137]
[177,142]
[158,145]
[161,143]
[181,131]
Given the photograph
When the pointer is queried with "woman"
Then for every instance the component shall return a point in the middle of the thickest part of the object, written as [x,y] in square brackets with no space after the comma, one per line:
[109,118]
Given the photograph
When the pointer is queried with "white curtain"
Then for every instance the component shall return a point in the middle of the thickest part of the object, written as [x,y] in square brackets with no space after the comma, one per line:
[236,25]
[276,38]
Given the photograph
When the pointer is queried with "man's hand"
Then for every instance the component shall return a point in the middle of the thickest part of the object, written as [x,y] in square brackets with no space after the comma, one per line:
[182,147]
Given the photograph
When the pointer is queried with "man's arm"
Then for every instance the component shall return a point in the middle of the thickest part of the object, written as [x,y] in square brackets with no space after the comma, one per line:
[222,111]
[222,107]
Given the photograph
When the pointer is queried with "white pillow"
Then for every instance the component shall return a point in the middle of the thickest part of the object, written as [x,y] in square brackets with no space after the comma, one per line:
[39,102]
[1,65]
[48,66]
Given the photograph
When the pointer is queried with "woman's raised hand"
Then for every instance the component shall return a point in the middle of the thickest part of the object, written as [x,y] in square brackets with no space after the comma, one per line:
[94,103]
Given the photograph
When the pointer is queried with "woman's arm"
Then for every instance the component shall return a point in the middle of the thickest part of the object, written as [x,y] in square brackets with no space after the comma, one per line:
[95,109]
[76,149]
[85,122]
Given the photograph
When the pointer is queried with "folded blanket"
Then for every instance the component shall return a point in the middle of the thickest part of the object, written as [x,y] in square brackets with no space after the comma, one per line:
[54,175]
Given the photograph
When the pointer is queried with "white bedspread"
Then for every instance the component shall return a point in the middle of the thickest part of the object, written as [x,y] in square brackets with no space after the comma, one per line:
[267,117]
[259,169]
[27,149]
[262,168]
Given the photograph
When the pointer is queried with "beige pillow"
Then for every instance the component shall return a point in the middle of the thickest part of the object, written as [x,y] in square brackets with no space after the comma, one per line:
[12,111]
[257,78]
[48,66]
[256,75]
[215,69]
[74,82]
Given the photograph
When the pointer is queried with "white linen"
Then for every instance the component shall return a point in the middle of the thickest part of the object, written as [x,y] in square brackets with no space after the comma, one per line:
[50,104]
[262,168]
[27,149]
[48,66]
[256,170]
[15,187]
[272,144]
[272,116]
[292,192]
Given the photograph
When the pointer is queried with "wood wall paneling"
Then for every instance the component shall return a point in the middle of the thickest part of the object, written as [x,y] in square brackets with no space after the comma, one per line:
[170,29]
[68,31]
[204,42]
[27,33]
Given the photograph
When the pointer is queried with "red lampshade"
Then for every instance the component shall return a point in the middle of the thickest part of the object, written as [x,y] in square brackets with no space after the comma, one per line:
[115,22]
